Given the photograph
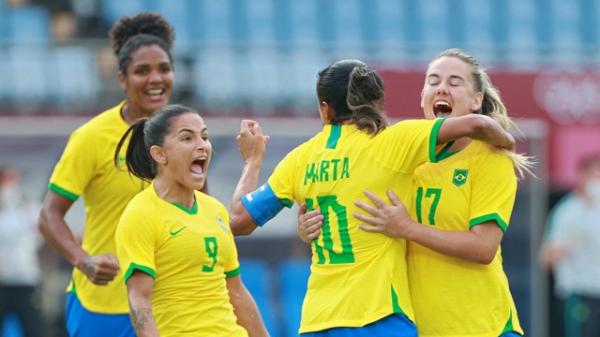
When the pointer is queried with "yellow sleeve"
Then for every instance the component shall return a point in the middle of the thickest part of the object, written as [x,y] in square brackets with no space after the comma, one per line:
[407,144]
[76,166]
[135,240]
[283,178]
[493,191]
[231,264]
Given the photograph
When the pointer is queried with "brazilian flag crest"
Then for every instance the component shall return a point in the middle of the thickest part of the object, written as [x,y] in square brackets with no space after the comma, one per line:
[460,177]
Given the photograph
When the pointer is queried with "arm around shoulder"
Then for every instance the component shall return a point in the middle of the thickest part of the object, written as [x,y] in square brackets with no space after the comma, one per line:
[475,126]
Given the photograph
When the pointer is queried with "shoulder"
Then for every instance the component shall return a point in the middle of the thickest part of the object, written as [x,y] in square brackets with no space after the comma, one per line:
[485,155]
[411,125]
[210,201]
[143,203]
[107,118]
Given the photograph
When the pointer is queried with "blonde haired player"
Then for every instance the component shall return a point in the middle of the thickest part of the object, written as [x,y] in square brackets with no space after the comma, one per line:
[462,207]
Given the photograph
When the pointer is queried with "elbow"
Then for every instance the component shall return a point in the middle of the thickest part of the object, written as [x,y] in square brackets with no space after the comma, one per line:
[486,257]
[43,221]
[479,125]
[240,227]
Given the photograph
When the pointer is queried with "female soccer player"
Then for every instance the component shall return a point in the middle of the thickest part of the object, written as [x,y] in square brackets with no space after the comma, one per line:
[462,206]
[174,242]
[97,305]
[358,286]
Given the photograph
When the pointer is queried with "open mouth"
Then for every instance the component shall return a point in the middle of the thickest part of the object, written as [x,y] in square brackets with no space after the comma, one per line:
[155,93]
[198,166]
[442,109]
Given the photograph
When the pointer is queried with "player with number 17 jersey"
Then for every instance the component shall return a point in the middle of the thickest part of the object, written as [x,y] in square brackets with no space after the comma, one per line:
[356,277]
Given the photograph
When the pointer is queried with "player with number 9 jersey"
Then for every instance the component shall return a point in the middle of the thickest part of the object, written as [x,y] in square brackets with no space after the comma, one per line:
[189,253]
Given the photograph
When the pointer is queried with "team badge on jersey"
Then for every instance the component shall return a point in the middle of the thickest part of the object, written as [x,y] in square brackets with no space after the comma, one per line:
[221,224]
[460,177]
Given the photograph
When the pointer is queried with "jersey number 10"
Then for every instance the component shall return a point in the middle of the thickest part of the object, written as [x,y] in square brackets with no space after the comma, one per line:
[327,205]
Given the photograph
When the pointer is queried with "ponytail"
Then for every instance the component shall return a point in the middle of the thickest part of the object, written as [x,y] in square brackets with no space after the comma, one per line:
[365,100]
[138,160]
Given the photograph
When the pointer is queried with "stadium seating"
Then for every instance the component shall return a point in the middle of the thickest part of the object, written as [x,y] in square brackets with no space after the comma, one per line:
[28,25]
[76,77]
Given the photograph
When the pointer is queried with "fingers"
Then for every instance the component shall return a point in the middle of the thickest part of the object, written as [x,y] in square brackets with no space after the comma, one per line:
[369,219]
[366,207]
[309,224]
[394,198]
[375,199]
[301,209]
[370,229]
[247,125]
[102,269]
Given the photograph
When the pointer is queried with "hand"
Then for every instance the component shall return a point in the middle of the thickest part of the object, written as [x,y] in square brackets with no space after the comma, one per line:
[509,143]
[309,224]
[100,269]
[252,141]
[392,220]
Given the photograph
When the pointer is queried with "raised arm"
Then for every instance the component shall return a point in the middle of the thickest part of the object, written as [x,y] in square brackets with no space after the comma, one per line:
[100,269]
[251,141]
[478,127]
[139,293]
[245,308]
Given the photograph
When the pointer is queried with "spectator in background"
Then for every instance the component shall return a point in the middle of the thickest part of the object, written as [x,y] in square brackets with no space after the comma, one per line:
[19,242]
[63,24]
[571,248]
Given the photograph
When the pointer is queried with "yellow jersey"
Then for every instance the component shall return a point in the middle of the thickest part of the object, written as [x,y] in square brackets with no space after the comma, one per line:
[356,277]
[86,168]
[189,253]
[453,297]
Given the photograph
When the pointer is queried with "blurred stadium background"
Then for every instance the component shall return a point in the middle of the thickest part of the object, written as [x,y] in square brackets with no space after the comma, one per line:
[259,59]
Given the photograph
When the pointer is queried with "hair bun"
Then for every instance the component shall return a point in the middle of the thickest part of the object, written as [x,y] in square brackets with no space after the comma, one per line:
[143,23]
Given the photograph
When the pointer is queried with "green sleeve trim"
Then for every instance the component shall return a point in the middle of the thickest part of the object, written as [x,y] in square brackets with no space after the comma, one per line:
[445,152]
[489,217]
[286,202]
[232,273]
[62,192]
[135,266]
[433,139]
[334,136]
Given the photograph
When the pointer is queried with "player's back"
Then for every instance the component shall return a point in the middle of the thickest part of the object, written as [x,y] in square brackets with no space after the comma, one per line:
[356,277]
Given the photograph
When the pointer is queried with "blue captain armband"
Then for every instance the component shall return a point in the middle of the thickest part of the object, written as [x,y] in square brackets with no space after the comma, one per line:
[263,205]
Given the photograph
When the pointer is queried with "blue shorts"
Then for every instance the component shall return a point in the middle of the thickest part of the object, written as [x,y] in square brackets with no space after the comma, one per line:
[391,326]
[84,323]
